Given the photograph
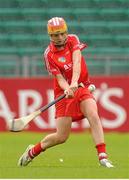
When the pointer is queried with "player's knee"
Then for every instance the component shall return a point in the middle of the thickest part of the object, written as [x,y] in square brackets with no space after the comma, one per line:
[62,139]
[93,118]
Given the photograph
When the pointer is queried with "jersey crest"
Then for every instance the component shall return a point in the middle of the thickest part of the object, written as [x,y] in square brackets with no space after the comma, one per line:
[62,59]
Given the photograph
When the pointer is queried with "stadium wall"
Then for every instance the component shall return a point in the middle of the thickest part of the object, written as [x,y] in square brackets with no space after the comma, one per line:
[20,96]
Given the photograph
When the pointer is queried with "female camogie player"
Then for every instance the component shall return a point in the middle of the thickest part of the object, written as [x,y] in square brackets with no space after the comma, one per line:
[65,62]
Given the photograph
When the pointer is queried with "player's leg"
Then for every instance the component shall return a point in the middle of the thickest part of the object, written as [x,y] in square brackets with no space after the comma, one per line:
[63,125]
[90,111]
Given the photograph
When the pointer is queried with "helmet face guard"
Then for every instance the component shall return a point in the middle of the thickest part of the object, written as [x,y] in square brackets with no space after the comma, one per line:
[57,41]
[56,25]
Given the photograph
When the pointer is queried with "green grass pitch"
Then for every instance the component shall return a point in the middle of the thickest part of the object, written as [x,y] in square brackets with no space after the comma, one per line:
[78,154]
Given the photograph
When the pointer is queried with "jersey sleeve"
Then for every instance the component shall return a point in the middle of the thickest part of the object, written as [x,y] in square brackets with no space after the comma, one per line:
[50,66]
[76,44]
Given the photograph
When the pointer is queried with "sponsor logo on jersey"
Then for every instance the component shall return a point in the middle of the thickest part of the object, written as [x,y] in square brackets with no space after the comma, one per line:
[67,66]
[61,59]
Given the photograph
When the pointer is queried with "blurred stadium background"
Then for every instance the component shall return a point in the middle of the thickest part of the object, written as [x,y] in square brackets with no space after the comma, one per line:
[103,25]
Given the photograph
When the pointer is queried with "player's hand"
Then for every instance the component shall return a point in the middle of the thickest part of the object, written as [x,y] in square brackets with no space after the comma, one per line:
[74,86]
[69,93]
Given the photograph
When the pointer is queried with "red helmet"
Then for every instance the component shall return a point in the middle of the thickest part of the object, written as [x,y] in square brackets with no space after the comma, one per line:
[56,25]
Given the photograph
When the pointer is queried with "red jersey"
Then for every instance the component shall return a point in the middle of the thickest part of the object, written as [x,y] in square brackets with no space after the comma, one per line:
[61,62]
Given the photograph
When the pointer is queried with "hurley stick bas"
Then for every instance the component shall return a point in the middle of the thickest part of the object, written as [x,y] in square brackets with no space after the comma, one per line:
[19,124]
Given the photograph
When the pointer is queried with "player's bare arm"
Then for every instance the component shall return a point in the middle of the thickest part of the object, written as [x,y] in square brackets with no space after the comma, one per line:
[76,69]
[65,86]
